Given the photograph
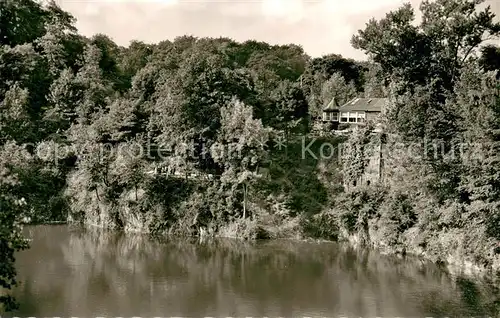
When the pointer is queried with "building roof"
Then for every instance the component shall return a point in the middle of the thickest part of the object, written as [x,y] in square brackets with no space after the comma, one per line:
[332,105]
[360,104]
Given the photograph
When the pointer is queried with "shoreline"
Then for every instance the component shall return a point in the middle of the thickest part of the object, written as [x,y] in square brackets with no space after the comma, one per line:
[451,264]
[46,223]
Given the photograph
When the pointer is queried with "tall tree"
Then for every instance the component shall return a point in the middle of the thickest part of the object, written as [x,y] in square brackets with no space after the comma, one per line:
[132,59]
[375,86]
[15,121]
[436,49]
[330,64]
[337,87]
[478,98]
[96,89]
[490,59]
[427,57]
[288,109]
[21,22]
[13,160]
[240,147]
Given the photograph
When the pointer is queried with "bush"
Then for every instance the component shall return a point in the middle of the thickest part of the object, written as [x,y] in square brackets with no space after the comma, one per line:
[243,229]
[321,226]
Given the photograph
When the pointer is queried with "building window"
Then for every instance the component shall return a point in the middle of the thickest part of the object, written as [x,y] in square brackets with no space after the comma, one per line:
[344,117]
[352,120]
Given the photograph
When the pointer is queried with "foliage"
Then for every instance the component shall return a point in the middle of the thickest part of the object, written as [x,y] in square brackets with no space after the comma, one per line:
[355,154]
[240,146]
[13,160]
[490,58]
[180,137]
[443,99]
[345,78]
[288,111]
[337,87]
[375,83]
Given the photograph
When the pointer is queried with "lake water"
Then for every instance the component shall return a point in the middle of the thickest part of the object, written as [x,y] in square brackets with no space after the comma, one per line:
[88,273]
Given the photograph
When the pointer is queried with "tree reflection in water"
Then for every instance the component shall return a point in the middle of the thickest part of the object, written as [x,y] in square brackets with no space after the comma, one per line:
[93,272]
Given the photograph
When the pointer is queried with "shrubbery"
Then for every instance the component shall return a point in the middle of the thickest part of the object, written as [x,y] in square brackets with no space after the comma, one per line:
[92,105]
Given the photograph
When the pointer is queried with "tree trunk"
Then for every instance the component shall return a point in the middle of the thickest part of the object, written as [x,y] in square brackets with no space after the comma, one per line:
[286,143]
[97,194]
[244,200]
[98,206]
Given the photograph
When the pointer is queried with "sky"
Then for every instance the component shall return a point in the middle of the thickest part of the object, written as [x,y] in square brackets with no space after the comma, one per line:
[319,26]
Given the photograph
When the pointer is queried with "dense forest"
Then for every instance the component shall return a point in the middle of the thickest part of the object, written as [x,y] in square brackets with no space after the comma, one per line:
[185,137]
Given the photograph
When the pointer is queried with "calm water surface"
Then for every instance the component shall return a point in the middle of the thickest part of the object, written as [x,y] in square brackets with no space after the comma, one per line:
[88,273]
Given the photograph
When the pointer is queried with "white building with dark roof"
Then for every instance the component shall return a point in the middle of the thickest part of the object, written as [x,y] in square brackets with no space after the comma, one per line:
[355,112]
